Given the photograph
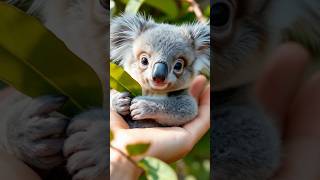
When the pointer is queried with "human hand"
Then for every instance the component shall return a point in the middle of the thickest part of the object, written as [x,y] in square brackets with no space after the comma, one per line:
[295,103]
[170,143]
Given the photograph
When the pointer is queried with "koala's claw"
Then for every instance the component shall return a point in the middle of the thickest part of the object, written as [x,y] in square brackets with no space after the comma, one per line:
[86,145]
[37,136]
[46,104]
[142,109]
[121,103]
[84,165]
[123,95]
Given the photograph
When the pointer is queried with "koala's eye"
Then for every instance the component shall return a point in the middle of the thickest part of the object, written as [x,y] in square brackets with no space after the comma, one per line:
[178,66]
[221,14]
[144,61]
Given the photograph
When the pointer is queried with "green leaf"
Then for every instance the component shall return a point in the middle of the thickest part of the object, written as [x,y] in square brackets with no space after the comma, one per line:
[36,63]
[169,7]
[111,135]
[137,149]
[122,81]
[133,6]
[156,169]
[142,177]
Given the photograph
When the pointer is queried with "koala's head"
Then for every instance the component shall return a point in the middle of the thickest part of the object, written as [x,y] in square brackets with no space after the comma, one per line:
[238,34]
[161,57]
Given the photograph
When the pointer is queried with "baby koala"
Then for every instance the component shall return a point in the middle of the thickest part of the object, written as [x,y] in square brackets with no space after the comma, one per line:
[163,59]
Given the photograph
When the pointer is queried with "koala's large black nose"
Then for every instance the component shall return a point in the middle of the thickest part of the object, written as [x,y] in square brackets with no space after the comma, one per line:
[159,72]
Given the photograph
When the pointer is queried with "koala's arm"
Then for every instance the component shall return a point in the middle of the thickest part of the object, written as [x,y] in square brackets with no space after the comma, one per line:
[169,111]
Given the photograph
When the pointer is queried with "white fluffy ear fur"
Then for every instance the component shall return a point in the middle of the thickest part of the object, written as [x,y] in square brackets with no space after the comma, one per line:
[124,29]
[200,36]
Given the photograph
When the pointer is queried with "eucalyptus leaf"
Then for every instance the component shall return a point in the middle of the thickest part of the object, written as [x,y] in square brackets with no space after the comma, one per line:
[156,169]
[121,81]
[137,149]
[35,62]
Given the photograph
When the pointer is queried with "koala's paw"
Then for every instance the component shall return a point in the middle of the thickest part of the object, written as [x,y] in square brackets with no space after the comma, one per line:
[121,103]
[37,136]
[141,108]
[86,145]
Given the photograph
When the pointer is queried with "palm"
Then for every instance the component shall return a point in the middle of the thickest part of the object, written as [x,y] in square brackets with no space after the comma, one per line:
[171,143]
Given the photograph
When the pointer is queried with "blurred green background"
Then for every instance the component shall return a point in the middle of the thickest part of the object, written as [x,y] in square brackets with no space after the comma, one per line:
[196,165]
[171,11]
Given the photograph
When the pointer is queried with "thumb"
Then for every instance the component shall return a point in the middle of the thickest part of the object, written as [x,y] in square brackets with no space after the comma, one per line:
[117,121]
[197,86]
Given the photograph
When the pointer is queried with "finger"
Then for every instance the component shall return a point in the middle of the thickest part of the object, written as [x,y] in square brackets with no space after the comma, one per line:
[79,161]
[84,121]
[124,108]
[197,86]
[201,124]
[87,173]
[47,127]
[117,121]
[302,135]
[305,112]
[48,147]
[78,125]
[74,143]
[171,140]
[280,80]
[47,104]
[123,95]
[124,102]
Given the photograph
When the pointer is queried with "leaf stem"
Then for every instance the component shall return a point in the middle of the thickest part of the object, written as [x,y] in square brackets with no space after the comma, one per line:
[195,7]
[126,156]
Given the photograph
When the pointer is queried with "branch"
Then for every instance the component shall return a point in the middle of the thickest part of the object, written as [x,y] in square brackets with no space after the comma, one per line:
[194,6]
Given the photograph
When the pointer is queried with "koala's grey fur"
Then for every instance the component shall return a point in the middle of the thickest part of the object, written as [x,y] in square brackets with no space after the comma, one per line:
[246,144]
[31,129]
[171,106]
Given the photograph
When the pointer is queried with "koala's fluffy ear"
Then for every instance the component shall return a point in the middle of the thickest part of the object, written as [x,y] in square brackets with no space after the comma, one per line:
[200,37]
[123,31]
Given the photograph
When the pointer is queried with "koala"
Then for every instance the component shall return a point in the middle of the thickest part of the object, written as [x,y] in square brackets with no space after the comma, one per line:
[163,59]
[246,142]
[32,129]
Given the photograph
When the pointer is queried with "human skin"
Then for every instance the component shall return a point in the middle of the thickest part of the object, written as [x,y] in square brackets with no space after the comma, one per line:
[14,169]
[168,144]
[294,101]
